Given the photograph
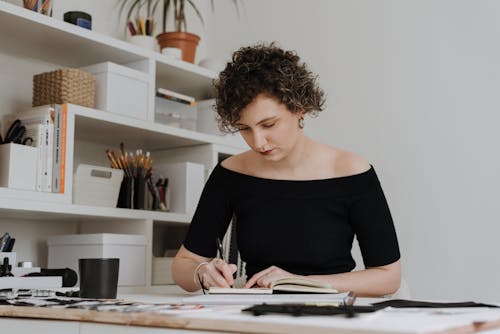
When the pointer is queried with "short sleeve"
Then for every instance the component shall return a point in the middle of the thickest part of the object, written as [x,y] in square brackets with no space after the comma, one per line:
[212,216]
[373,225]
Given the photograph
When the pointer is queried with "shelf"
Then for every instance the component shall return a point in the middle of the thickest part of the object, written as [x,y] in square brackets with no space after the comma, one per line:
[30,196]
[183,77]
[108,128]
[31,210]
[57,42]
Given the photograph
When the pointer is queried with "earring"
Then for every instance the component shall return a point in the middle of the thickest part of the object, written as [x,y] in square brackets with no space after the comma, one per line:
[301,122]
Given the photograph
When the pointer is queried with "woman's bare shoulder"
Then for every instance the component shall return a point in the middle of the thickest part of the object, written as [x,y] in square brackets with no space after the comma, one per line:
[346,163]
[237,162]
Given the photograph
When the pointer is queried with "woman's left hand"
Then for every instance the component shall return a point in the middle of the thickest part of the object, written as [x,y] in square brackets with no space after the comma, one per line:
[266,277]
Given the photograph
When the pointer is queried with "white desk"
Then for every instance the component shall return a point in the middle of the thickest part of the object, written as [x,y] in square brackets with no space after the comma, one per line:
[229,319]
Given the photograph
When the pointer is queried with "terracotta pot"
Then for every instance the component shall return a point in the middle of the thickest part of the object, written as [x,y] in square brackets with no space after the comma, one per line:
[185,41]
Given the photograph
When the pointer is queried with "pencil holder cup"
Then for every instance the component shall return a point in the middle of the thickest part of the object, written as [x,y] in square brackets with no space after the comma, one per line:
[144,41]
[139,192]
[126,191]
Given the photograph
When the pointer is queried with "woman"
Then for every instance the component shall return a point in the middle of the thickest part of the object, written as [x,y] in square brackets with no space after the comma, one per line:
[298,203]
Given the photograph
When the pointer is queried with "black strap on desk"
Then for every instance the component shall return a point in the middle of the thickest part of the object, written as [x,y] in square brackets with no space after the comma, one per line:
[351,311]
[402,303]
[304,309]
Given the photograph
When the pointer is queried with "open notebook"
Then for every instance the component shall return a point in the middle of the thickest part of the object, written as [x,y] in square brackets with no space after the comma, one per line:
[283,285]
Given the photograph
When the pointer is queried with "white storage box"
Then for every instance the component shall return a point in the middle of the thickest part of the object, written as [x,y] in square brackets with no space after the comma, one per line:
[18,166]
[175,114]
[120,89]
[98,186]
[185,184]
[65,250]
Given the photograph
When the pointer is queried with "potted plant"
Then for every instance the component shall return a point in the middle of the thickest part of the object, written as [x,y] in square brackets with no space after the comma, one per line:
[175,9]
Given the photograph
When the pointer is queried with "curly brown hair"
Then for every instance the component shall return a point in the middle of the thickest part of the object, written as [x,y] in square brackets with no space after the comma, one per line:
[269,70]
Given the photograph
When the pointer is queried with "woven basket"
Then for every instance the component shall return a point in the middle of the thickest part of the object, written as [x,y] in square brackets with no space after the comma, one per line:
[67,85]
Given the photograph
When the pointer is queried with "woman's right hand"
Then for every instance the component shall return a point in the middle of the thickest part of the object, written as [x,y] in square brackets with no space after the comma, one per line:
[217,273]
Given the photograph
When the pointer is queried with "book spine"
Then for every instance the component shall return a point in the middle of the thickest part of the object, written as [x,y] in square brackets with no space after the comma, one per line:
[43,153]
[56,177]
[41,156]
[49,161]
[62,168]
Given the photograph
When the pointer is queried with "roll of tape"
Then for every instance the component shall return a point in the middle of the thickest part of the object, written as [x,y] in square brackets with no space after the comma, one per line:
[80,19]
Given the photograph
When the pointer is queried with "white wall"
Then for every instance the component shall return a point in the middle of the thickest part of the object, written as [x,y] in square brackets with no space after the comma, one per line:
[413,86]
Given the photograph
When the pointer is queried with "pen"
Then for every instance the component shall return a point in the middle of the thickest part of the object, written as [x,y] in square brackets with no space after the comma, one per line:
[350,298]
[348,304]
[221,250]
[201,283]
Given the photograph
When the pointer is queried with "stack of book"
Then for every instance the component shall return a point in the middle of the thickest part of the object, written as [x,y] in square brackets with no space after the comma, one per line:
[176,97]
[46,125]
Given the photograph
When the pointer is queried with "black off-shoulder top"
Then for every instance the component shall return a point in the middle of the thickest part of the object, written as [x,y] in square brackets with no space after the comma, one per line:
[304,227]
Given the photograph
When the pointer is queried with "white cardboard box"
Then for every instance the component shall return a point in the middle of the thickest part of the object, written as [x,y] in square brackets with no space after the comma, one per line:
[18,166]
[95,185]
[121,89]
[65,250]
[185,184]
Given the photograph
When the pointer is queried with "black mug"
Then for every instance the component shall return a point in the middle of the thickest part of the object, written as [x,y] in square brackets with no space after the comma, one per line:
[98,277]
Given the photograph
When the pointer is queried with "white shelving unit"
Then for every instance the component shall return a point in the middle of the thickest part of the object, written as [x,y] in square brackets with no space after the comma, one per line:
[36,43]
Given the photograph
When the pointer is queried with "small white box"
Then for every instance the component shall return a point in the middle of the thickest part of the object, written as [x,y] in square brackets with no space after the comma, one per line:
[185,184]
[18,166]
[65,250]
[120,89]
[98,186]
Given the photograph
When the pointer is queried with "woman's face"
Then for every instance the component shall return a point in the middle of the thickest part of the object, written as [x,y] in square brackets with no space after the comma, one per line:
[269,128]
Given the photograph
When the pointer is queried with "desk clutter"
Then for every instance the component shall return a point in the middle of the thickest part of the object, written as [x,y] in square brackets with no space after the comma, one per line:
[24,275]
[368,318]
[103,262]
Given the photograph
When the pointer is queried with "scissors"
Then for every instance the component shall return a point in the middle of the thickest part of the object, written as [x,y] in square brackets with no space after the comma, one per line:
[16,133]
